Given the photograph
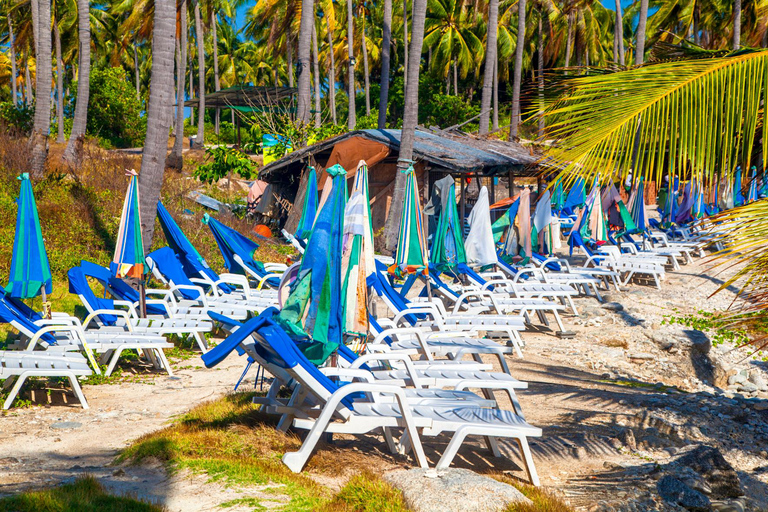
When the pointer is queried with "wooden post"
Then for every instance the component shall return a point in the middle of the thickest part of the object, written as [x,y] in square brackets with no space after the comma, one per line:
[463,205]
[239,145]
[511,184]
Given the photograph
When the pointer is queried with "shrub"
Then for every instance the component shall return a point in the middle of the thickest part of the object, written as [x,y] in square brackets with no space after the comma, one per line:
[224,161]
[17,118]
[114,112]
[445,110]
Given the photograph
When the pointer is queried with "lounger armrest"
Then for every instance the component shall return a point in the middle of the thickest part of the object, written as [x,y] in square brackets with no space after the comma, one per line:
[351,373]
[165,294]
[61,321]
[386,323]
[275,267]
[391,356]
[421,337]
[192,288]
[234,280]
[422,310]
[114,312]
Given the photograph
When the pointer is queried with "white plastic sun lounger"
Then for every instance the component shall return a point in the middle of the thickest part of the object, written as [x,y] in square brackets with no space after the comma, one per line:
[17,367]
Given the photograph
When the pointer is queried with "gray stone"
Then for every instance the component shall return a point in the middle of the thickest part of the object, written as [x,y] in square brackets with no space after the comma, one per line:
[627,436]
[758,380]
[700,342]
[748,387]
[453,489]
[710,464]
[65,425]
[760,405]
[675,491]
[613,306]
[641,356]
[736,379]
[728,506]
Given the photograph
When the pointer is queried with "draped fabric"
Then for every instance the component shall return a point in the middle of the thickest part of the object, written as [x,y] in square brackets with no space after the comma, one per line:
[313,312]
[128,260]
[479,245]
[30,271]
[752,191]
[558,196]
[191,260]
[669,212]
[357,259]
[576,197]
[637,206]
[411,255]
[309,208]
[591,221]
[684,210]
[738,197]
[511,241]
[524,225]
[447,240]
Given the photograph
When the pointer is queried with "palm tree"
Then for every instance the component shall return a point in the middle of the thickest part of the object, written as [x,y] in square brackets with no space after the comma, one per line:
[386,47]
[352,115]
[43,75]
[410,119]
[159,115]
[641,23]
[736,24]
[329,15]
[618,36]
[364,45]
[59,82]
[12,50]
[200,38]
[306,29]
[490,65]
[316,75]
[80,119]
[175,159]
[514,120]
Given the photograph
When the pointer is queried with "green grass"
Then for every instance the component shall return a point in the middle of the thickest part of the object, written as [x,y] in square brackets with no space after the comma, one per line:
[84,495]
[366,492]
[541,499]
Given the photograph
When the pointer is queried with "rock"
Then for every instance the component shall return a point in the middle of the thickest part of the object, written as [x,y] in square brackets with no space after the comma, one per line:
[760,405]
[675,491]
[613,306]
[727,506]
[627,436]
[64,425]
[700,342]
[8,461]
[453,489]
[641,356]
[758,380]
[710,464]
[118,472]
[720,372]
[748,387]
[736,379]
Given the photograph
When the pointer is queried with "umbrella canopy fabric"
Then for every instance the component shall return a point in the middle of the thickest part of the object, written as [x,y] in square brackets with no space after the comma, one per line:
[637,206]
[523,223]
[592,222]
[507,221]
[543,224]
[669,211]
[129,250]
[313,312]
[30,271]
[738,197]
[309,209]
[357,260]
[576,196]
[752,192]
[698,209]
[411,255]
[479,245]
[558,196]
[616,211]
[447,244]
[191,259]
[684,210]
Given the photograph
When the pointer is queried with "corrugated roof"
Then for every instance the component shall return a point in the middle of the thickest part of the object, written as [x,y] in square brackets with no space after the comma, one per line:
[454,153]
[245,96]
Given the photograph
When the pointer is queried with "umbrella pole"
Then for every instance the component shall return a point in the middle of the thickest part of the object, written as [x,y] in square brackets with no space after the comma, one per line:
[142,299]
[46,304]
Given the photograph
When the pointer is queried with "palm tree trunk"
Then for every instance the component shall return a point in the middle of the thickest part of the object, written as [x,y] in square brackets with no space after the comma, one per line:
[35,12]
[137,75]
[455,78]
[365,69]
[696,19]
[496,92]
[27,79]
[159,115]
[191,67]
[386,45]
[289,57]
[618,35]
[332,77]
[514,120]
[316,72]
[352,115]
[199,36]
[405,46]
[175,158]
[490,65]
[540,73]
[59,85]
[569,41]
[43,75]
[80,120]
[410,119]
[11,45]
[216,81]
[306,26]
[640,43]
[736,24]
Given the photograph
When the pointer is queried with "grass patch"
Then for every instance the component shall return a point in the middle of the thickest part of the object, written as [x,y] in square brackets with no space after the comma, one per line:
[542,500]
[366,492]
[616,343]
[84,495]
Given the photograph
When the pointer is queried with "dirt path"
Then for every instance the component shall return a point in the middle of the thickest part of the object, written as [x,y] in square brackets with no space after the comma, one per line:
[607,401]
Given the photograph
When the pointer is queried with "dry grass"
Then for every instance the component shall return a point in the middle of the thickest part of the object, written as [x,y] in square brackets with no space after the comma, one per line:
[542,500]
[616,343]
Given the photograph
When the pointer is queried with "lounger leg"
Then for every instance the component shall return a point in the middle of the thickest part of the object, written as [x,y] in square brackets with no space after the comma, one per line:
[558,319]
[9,382]
[573,306]
[390,440]
[78,391]
[528,461]
[14,391]
[453,448]
[201,343]
[493,445]
[164,361]
[113,361]
[597,293]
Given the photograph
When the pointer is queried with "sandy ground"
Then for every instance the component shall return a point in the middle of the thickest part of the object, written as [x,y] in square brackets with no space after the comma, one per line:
[575,394]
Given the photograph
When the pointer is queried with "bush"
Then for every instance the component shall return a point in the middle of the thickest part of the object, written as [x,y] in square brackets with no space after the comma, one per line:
[18,118]
[225,161]
[114,112]
[445,110]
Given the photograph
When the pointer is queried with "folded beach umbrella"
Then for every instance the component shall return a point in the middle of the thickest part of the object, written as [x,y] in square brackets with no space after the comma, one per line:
[592,222]
[193,262]
[129,260]
[637,206]
[684,210]
[738,197]
[232,243]
[752,191]
[313,312]
[670,204]
[576,197]
[699,207]
[30,273]
[616,211]
[542,223]
[447,240]
[558,196]
[411,255]
[479,245]
[309,209]
[357,260]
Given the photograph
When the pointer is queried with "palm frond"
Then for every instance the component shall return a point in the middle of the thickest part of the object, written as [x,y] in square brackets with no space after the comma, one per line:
[698,117]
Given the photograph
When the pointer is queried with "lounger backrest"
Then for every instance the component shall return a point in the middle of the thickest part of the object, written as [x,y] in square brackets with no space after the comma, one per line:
[166,261]
[78,284]
[381,286]
[117,288]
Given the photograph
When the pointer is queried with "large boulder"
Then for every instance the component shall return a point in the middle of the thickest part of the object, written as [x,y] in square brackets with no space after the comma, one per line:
[712,466]
[453,490]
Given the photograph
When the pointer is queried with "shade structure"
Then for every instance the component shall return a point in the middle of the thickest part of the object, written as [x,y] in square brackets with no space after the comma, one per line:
[309,208]
[479,246]
[357,260]
[738,197]
[447,240]
[752,191]
[129,250]
[30,272]
[637,206]
[313,312]
[411,255]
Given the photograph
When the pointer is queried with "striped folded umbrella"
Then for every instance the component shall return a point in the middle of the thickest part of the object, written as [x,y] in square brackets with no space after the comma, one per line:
[411,256]
[129,258]
[309,208]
